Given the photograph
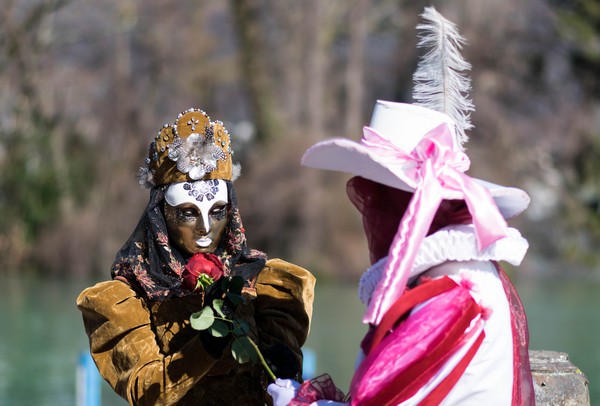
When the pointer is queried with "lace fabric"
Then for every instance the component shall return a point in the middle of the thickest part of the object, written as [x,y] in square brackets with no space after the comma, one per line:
[321,387]
[452,243]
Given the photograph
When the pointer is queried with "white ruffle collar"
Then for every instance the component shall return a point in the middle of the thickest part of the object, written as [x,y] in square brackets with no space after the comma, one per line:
[452,243]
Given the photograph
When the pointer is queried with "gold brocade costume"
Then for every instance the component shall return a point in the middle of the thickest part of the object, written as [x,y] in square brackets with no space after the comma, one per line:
[150,355]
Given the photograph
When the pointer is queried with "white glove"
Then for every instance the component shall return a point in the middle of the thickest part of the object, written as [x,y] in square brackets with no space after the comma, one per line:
[283,391]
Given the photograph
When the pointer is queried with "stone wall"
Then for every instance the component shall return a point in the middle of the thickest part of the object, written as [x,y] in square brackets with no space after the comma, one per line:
[556,381]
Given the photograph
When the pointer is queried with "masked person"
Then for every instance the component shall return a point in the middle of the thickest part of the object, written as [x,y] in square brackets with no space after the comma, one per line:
[189,238]
[446,326]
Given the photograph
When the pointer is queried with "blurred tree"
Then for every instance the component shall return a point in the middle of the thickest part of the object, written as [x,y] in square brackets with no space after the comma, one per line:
[85,85]
[358,36]
[38,184]
[254,60]
[579,25]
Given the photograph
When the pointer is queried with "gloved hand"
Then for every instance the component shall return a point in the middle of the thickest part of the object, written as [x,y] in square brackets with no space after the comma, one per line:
[283,391]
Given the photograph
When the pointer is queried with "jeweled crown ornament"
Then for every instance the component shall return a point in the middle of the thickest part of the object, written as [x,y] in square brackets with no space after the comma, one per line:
[192,148]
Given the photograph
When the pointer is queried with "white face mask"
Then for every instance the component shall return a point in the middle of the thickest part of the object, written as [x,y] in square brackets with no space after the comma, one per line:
[204,195]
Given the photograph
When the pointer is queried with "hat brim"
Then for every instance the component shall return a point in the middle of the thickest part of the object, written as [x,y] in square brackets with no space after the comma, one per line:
[344,155]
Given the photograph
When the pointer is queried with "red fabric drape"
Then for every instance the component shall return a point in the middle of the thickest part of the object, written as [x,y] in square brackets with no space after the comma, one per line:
[523,394]
[382,208]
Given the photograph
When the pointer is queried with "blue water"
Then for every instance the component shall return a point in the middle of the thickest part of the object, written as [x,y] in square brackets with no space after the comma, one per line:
[42,336]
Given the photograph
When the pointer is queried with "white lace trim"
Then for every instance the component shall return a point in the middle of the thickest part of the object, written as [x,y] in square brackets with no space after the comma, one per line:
[453,243]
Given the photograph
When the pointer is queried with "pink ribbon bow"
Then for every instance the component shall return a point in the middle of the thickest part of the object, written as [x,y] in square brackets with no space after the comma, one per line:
[437,169]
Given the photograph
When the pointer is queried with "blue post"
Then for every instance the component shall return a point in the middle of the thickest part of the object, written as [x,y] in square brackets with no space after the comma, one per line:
[88,381]
[309,365]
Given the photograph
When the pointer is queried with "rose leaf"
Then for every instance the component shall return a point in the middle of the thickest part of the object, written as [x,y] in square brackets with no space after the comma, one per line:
[241,327]
[235,299]
[218,306]
[220,328]
[203,319]
[242,350]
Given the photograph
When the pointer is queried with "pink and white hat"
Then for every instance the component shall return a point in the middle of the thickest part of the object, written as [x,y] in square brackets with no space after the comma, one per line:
[416,149]
[403,126]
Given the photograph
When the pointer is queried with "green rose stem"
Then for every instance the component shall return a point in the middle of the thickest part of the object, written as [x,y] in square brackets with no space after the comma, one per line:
[256,350]
[262,359]
[212,317]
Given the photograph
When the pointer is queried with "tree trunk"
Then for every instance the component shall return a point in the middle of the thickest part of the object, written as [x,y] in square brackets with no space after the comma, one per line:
[315,69]
[353,119]
[254,76]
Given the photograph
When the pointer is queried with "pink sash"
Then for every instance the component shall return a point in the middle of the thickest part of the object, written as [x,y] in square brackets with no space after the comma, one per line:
[399,362]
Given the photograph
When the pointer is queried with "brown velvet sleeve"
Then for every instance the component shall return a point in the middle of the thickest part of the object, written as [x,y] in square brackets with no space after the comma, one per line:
[284,305]
[125,350]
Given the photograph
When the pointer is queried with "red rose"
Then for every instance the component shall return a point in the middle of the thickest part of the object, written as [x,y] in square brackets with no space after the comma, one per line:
[201,270]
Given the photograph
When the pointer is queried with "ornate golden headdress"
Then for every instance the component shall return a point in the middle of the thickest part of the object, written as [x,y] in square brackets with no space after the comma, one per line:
[193,148]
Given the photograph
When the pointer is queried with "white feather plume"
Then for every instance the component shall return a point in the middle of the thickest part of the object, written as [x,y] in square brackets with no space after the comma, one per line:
[440,81]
